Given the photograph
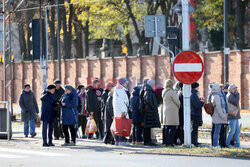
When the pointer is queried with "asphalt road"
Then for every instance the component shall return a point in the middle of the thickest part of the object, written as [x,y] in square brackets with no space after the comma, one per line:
[10,157]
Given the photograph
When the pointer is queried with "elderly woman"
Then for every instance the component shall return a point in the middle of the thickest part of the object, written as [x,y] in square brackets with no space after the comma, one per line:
[151,116]
[69,114]
[171,105]
[233,98]
[220,116]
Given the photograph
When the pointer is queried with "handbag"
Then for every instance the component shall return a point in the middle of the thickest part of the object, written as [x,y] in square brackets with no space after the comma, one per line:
[91,126]
[232,110]
[209,108]
[121,126]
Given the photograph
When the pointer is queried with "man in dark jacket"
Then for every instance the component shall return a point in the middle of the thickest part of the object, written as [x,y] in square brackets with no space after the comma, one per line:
[151,116]
[108,117]
[48,115]
[137,117]
[196,112]
[93,106]
[58,95]
[29,107]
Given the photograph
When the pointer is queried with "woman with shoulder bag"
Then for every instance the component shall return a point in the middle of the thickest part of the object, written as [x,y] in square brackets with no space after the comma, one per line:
[219,116]
[233,98]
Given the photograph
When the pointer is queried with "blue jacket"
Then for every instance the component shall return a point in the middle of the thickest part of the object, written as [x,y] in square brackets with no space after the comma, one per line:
[225,99]
[137,117]
[196,104]
[69,111]
[48,101]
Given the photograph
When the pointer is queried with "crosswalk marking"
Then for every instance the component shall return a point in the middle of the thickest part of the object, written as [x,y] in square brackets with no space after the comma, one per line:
[31,152]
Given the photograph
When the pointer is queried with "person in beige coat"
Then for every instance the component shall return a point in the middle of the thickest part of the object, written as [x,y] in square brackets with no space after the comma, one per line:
[219,116]
[171,105]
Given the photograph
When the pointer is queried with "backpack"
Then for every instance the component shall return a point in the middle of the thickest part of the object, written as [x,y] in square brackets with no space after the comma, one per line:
[209,108]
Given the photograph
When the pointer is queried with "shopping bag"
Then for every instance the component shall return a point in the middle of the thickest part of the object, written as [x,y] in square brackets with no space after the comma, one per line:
[91,126]
[121,126]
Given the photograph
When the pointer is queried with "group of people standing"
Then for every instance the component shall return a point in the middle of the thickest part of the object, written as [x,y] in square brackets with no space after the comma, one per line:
[68,109]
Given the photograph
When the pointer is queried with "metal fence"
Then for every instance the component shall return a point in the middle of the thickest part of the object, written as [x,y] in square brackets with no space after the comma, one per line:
[5,121]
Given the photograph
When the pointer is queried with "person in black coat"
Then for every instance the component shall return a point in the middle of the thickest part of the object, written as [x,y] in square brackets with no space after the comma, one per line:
[108,117]
[59,92]
[48,115]
[196,112]
[151,116]
[180,129]
[137,117]
[93,106]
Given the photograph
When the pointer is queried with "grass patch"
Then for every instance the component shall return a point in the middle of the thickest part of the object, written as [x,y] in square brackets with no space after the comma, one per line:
[205,151]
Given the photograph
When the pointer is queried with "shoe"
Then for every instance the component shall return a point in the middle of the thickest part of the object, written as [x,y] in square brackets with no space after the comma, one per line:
[33,135]
[45,145]
[56,138]
[138,143]
[217,147]
[65,144]
[150,144]
[124,144]
[51,144]
[229,146]
[84,137]
[26,135]
[72,143]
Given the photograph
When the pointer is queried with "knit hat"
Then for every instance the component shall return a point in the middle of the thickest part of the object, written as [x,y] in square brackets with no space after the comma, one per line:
[226,86]
[169,83]
[51,87]
[122,81]
[151,83]
[69,87]
[231,87]
[215,87]
[195,85]
[26,85]
[80,87]
[57,82]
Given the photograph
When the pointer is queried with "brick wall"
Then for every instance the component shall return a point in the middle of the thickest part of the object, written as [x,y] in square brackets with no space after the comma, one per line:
[82,71]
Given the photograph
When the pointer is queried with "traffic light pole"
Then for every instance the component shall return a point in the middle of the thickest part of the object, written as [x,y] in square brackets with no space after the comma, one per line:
[187,88]
[58,41]
[225,44]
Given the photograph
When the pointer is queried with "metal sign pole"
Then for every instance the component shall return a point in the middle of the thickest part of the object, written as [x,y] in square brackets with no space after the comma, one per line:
[187,88]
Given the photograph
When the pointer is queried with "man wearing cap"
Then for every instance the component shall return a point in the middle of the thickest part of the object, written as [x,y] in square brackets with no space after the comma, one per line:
[196,111]
[59,91]
[29,107]
[48,115]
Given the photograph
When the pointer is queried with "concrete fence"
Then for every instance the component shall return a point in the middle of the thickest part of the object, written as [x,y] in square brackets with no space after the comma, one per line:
[83,71]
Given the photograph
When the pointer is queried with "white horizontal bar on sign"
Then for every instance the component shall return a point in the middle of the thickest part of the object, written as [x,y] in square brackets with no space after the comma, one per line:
[188,67]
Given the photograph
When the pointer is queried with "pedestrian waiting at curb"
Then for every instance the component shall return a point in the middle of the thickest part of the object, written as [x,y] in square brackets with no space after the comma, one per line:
[233,98]
[48,115]
[82,113]
[29,110]
[69,115]
[196,112]
[219,116]
[59,92]
[171,105]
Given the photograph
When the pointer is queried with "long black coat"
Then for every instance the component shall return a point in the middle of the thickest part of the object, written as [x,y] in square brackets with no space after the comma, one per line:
[58,95]
[109,113]
[181,109]
[48,102]
[151,115]
[104,100]
[92,104]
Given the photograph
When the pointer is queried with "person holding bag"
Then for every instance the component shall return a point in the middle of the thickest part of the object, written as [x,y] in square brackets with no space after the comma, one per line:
[120,107]
[219,116]
[233,98]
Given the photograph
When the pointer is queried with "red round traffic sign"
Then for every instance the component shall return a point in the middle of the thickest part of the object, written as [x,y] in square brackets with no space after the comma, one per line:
[188,67]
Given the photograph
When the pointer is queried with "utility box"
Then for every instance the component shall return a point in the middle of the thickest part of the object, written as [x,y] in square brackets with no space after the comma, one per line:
[5,121]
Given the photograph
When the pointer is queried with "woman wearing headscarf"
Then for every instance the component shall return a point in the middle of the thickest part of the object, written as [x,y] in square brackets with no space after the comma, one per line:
[233,98]
[171,105]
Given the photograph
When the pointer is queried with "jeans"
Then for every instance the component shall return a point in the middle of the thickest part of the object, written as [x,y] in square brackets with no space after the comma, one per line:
[217,128]
[45,131]
[234,129]
[170,134]
[119,139]
[223,135]
[29,125]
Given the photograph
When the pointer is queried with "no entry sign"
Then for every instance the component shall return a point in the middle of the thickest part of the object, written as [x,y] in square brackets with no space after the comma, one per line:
[188,67]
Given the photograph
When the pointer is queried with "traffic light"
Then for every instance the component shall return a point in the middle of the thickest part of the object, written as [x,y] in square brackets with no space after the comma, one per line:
[36,39]
[174,37]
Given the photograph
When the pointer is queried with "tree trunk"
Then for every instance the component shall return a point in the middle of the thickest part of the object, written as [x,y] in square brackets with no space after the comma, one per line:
[129,45]
[240,18]
[52,34]
[86,38]
[78,33]
[22,41]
